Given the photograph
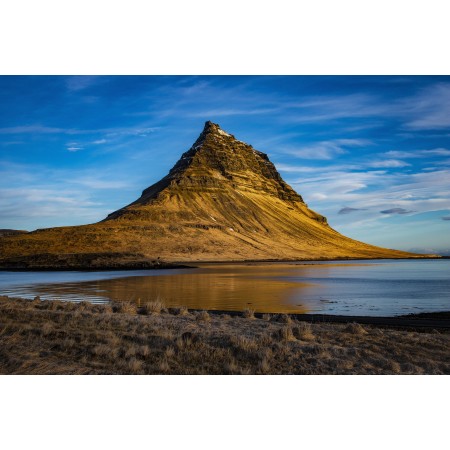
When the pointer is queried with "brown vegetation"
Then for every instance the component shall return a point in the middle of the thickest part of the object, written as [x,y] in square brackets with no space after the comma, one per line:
[52,337]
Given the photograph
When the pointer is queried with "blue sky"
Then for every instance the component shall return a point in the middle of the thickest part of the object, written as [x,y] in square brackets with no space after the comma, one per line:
[370,153]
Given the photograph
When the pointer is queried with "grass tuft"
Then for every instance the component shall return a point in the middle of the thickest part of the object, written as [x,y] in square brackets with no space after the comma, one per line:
[169,352]
[248,313]
[264,366]
[231,367]
[154,307]
[284,334]
[134,365]
[187,339]
[355,328]
[182,311]
[244,343]
[203,316]
[303,331]
[124,307]
[164,366]
[284,318]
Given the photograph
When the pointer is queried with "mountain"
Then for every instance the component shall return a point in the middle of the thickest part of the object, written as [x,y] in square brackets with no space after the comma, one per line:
[222,201]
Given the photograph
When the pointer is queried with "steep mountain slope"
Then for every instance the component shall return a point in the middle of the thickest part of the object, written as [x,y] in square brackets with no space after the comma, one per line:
[223,200]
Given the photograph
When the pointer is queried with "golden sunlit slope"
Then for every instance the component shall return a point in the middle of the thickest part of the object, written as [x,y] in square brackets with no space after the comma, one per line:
[223,200]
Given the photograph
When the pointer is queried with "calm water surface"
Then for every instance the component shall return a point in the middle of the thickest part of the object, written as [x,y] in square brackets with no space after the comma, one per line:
[382,287]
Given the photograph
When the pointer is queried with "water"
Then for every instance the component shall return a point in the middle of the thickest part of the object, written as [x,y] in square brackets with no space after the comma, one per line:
[376,288]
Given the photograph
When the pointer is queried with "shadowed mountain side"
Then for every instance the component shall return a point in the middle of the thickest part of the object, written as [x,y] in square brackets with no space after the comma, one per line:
[222,201]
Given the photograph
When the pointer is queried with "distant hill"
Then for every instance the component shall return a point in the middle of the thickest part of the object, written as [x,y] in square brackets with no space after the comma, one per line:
[8,232]
[222,201]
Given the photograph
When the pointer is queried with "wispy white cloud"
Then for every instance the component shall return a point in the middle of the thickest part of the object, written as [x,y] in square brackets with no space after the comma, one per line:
[388,163]
[32,129]
[328,108]
[76,146]
[128,131]
[430,108]
[26,204]
[97,183]
[224,112]
[40,194]
[116,131]
[322,168]
[325,150]
[73,147]
[377,191]
[317,196]
[417,153]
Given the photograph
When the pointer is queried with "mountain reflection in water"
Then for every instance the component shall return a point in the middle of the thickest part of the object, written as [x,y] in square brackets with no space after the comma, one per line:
[354,288]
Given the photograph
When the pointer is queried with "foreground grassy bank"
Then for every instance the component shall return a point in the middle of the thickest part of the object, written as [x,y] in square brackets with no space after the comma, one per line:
[52,337]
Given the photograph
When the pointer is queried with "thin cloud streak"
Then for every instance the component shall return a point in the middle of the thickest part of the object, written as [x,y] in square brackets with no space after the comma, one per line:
[34,129]
[39,129]
[417,153]
[326,150]
[388,163]
[431,108]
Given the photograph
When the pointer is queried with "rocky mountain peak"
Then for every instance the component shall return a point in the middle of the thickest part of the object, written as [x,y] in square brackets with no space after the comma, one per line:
[211,133]
[217,160]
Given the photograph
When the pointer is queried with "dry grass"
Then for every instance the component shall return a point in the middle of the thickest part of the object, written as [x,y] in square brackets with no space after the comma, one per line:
[355,328]
[182,311]
[203,316]
[303,331]
[124,307]
[248,313]
[43,337]
[283,334]
[153,307]
[284,318]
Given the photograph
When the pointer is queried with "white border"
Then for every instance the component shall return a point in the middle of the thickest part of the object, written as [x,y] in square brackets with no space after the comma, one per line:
[234,37]
[224,412]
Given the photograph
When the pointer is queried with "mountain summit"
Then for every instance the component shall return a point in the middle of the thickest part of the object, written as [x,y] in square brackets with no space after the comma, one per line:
[220,167]
[222,201]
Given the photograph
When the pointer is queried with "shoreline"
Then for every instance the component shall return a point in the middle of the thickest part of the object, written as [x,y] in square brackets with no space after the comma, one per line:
[439,320]
[421,321]
[54,337]
[156,265]
[99,269]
